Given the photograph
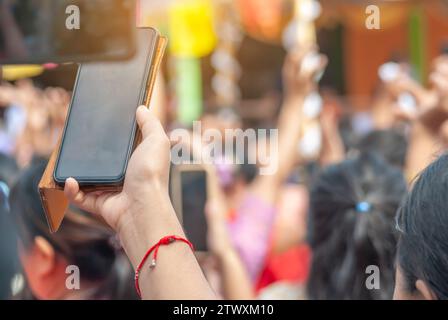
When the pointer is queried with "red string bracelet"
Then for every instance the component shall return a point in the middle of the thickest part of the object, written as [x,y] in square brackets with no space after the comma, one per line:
[162,242]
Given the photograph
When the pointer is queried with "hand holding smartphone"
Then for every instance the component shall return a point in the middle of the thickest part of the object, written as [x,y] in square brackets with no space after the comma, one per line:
[100,131]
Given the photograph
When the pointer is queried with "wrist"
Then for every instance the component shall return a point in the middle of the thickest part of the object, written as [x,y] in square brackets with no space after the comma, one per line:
[431,120]
[295,97]
[226,255]
[146,221]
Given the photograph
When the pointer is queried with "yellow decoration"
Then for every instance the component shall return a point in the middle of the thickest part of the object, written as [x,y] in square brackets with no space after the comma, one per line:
[16,72]
[191,28]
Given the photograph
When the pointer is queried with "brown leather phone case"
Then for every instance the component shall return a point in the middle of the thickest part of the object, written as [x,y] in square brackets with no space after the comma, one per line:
[52,196]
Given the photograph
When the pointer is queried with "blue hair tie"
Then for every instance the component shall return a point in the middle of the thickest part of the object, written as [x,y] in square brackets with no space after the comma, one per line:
[363,207]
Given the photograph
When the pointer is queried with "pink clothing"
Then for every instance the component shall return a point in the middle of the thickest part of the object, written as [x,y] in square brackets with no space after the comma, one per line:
[250,232]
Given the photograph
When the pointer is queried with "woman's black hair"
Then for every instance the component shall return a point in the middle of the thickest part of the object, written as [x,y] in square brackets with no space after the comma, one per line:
[82,240]
[391,144]
[423,224]
[351,226]
[9,263]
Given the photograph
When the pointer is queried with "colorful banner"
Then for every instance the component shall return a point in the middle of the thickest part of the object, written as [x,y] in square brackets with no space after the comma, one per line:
[188,89]
[16,72]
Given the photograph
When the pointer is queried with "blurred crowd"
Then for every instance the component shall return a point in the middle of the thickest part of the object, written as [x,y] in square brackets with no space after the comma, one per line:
[308,231]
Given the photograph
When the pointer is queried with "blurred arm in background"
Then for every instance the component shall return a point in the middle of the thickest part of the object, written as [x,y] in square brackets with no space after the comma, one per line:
[426,136]
[253,225]
[298,84]
[13,38]
[235,281]
[333,150]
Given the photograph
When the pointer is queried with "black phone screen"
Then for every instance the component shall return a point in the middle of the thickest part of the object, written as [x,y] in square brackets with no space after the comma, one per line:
[66,30]
[100,128]
[194,198]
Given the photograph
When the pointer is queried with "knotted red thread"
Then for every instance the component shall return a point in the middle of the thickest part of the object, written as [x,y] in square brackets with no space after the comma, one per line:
[155,248]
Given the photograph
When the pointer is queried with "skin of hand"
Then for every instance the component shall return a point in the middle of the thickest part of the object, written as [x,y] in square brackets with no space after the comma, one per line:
[142,214]
[428,100]
[444,133]
[218,238]
[333,150]
[298,80]
[427,138]
[142,177]
[386,101]
[434,115]
[439,79]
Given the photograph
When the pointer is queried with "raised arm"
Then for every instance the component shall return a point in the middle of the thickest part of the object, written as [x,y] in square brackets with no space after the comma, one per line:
[425,141]
[299,82]
[142,214]
[13,38]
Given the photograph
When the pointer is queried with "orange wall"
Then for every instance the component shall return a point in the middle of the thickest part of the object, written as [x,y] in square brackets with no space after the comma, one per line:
[366,50]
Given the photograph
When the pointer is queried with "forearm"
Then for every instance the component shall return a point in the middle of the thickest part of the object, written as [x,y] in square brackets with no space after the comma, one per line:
[235,280]
[432,119]
[333,150]
[423,148]
[425,143]
[290,128]
[285,157]
[13,37]
[177,274]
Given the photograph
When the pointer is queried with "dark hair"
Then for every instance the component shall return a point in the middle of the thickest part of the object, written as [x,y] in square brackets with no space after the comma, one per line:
[351,226]
[390,144]
[82,240]
[423,222]
[247,172]
[8,169]
[9,262]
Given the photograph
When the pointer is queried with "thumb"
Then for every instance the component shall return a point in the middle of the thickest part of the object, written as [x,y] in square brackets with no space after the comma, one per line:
[147,122]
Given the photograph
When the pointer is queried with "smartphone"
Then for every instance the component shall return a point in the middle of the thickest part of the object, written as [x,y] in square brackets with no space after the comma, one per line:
[188,188]
[40,31]
[100,129]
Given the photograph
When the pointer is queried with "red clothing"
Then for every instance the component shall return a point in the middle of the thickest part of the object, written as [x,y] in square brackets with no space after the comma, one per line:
[291,266]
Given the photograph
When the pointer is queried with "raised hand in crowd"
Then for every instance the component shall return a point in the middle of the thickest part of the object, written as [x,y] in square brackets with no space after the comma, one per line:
[142,214]
[427,132]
